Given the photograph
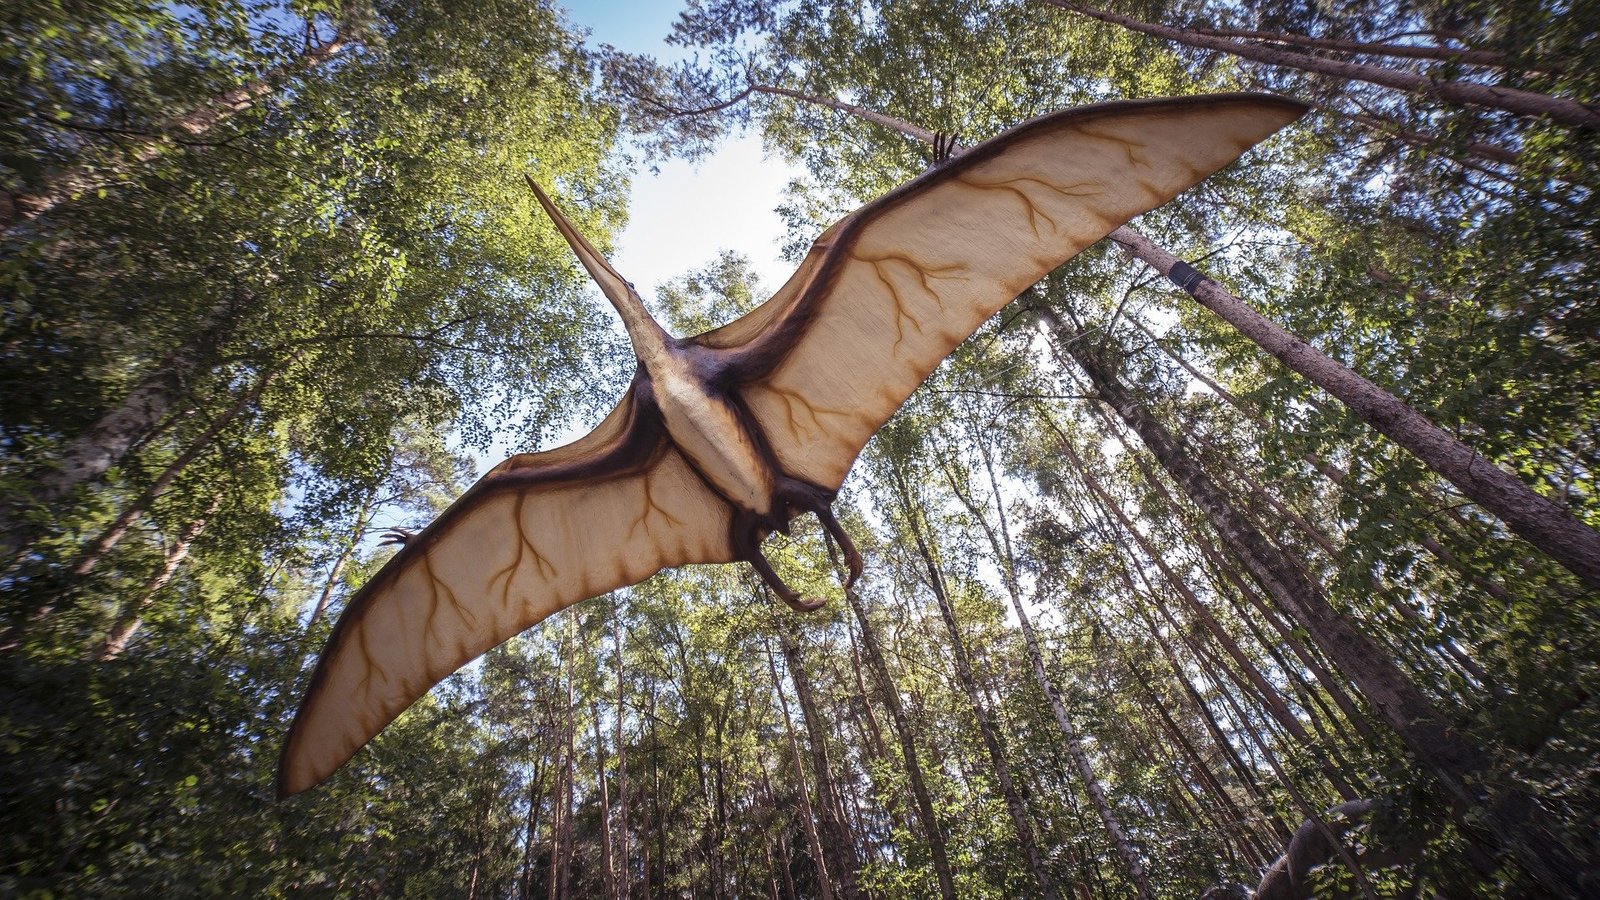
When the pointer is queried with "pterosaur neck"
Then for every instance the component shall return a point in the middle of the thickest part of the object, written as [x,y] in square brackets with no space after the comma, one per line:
[650,341]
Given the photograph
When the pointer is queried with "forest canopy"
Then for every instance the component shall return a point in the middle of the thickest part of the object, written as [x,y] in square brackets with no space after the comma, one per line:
[1162,580]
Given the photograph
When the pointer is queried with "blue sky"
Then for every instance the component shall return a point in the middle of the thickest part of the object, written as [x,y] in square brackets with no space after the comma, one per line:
[682,217]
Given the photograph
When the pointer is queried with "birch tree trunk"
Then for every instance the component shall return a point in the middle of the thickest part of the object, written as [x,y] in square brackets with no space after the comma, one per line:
[113,533]
[1000,545]
[969,683]
[808,816]
[1538,520]
[908,748]
[111,436]
[838,843]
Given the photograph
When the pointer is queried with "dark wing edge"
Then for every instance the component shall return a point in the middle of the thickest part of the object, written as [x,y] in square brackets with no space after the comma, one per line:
[897,285]
[502,558]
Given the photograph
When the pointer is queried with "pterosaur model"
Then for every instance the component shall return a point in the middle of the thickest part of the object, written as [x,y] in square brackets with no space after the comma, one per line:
[725,437]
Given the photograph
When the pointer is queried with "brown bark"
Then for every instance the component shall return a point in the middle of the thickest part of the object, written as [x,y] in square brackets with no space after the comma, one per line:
[191,127]
[986,728]
[1461,767]
[1512,100]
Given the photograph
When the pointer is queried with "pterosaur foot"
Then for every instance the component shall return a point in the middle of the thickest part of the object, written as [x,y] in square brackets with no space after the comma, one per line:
[747,535]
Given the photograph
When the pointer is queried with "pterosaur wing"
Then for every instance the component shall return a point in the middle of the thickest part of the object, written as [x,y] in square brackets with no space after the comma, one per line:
[889,292]
[539,533]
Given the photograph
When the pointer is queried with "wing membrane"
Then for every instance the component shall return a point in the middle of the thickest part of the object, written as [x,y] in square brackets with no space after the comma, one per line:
[504,557]
[888,293]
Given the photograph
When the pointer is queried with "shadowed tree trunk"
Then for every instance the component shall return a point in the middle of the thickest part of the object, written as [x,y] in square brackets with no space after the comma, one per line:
[132,614]
[624,862]
[608,872]
[111,436]
[1462,768]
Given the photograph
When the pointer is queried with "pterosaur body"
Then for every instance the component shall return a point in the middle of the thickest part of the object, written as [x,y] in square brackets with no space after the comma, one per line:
[724,437]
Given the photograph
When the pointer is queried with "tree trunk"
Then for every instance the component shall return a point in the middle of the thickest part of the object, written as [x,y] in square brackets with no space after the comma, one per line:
[1461,767]
[624,862]
[1538,520]
[363,517]
[191,127]
[1485,58]
[608,872]
[986,728]
[110,437]
[132,614]
[113,534]
[1000,545]
[838,843]
[890,695]
[808,816]
[1512,100]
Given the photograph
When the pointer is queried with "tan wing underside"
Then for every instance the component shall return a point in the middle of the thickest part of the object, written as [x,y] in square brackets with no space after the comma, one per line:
[916,277]
[495,571]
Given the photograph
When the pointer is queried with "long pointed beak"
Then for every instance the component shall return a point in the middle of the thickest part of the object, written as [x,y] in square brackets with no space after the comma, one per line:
[616,287]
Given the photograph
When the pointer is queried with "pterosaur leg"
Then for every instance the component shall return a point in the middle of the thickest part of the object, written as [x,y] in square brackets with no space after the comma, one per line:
[808,497]
[852,557]
[746,533]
